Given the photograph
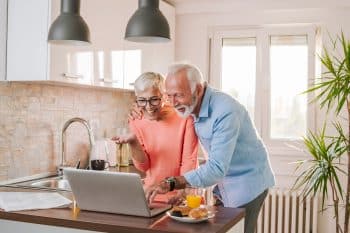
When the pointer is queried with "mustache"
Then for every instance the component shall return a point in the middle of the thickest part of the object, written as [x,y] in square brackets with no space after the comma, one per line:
[180,106]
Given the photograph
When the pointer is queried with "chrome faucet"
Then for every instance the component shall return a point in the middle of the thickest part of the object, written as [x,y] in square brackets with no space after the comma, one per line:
[63,138]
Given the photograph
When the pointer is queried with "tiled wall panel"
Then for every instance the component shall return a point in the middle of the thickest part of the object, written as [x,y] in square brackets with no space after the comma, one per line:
[31,120]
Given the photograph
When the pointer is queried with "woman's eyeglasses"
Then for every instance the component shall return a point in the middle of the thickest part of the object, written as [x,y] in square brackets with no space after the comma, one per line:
[153,101]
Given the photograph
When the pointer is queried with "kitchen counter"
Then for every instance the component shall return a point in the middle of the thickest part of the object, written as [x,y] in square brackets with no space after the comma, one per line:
[73,219]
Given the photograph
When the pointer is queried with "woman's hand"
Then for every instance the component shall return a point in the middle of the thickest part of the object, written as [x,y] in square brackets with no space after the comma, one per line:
[127,138]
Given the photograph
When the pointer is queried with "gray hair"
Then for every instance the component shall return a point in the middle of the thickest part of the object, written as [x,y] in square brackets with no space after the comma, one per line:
[149,80]
[194,75]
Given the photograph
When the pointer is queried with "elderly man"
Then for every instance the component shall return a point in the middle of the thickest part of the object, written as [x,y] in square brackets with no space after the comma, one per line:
[237,158]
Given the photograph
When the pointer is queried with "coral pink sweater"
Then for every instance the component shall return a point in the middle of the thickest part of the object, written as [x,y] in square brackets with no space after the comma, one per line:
[170,145]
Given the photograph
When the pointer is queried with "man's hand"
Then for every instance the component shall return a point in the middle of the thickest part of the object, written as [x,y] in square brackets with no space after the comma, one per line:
[178,199]
[135,113]
[152,191]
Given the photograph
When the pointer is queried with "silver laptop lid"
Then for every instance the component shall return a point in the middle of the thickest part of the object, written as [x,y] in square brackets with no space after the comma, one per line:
[111,192]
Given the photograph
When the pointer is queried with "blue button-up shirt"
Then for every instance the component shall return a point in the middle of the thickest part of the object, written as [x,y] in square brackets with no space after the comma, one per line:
[237,158]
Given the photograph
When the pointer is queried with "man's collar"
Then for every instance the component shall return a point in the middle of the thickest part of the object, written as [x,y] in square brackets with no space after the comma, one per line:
[204,110]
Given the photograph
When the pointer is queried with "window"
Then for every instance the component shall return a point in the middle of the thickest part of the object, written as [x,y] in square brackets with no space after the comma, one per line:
[288,78]
[267,69]
[238,70]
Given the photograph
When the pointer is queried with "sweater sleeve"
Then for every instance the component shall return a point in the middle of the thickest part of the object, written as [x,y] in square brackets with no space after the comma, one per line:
[145,165]
[190,148]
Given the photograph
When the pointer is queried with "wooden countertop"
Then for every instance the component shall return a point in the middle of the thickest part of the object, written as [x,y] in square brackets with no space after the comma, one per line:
[225,218]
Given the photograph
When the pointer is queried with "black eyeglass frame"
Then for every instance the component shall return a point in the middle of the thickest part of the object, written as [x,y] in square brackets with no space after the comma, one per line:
[155,99]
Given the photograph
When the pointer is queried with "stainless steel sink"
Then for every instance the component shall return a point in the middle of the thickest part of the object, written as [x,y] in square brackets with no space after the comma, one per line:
[53,183]
[58,183]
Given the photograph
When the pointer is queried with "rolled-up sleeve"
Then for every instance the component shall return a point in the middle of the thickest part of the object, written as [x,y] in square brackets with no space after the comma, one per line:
[222,145]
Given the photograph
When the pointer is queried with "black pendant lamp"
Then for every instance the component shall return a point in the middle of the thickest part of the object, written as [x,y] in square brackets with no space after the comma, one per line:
[148,24]
[69,27]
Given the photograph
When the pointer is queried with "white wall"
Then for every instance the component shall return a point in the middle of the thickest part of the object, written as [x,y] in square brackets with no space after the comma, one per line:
[3,31]
[192,29]
[195,19]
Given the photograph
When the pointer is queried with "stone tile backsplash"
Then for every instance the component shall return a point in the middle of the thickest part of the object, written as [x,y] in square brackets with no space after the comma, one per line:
[31,120]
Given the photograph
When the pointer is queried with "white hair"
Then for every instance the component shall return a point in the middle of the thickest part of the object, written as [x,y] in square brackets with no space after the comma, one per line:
[149,80]
[194,75]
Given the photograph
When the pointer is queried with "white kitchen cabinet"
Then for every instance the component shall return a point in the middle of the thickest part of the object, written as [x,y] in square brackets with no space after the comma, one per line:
[3,31]
[108,61]
[26,40]
[28,53]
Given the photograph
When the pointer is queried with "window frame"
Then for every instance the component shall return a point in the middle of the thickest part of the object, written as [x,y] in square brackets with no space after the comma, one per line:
[262,108]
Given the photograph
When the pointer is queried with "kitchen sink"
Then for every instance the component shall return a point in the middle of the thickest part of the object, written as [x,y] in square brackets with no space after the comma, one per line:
[57,183]
[53,183]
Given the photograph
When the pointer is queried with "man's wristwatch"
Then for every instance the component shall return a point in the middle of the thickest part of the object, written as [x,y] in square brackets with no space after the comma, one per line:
[171,181]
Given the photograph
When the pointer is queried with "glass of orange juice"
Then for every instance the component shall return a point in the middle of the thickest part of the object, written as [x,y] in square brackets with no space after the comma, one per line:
[194,197]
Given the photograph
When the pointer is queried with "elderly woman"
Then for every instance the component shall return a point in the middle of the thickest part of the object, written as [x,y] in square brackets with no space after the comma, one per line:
[163,144]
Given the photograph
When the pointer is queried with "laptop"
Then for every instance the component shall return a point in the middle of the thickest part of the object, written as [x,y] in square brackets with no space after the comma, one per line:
[111,192]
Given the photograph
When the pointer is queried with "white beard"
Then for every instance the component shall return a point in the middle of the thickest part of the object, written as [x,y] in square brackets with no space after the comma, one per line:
[188,109]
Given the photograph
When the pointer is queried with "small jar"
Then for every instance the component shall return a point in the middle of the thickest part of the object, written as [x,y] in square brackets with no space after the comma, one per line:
[122,154]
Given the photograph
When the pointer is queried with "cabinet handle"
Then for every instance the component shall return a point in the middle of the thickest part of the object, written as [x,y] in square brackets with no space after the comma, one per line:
[76,76]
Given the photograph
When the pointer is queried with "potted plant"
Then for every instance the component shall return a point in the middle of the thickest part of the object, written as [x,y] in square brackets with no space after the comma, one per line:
[324,168]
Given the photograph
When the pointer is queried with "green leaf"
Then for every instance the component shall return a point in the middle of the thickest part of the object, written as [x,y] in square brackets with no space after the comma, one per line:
[322,169]
[334,85]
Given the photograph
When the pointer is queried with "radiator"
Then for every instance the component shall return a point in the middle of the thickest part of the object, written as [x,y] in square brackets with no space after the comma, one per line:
[286,211]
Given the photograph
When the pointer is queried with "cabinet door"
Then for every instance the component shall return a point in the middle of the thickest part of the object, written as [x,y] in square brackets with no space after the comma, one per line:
[127,60]
[3,35]
[110,60]
[101,63]
[159,56]
[27,50]
[71,63]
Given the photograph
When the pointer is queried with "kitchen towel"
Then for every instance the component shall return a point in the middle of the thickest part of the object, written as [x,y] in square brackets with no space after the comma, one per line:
[15,201]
